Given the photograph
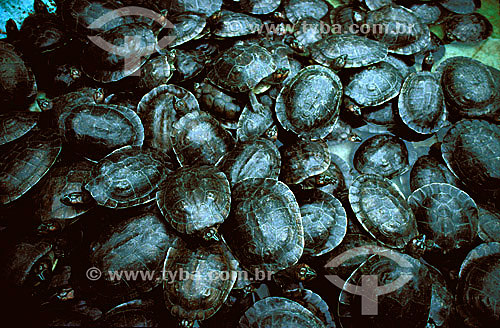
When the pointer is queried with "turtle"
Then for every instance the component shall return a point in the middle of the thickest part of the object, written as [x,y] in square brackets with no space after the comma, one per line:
[382,116]
[335,180]
[207,8]
[308,105]
[430,169]
[459,75]
[421,104]
[466,28]
[279,312]
[17,81]
[259,7]
[192,274]
[129,176]
[460,6]
[61,200]
[156,71]
[64,78]
[372,86]
[264,229]
[257,158]
[406,306]
[347,17]
[324,220]
[159,109]
[402,30]
[383,211]
[303,159]
[190,63]
[256,120]
[403,67]
[95,130]
[446,214]
[293,277]
[314,303]
[228,24]
[67,101]
[26,161]
[185,27]
[195,201]
[489,224]
[442,300]
[297,9]
[382,154]
[245,67]
[129,316]
[17,124]
[376,4]
[198,139]
[347,51]
[217,102]
[428,13]
[477,296]
[470,149]
[135,243]
[307,31]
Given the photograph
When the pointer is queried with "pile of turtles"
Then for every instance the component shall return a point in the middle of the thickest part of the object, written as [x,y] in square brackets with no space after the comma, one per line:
[225,163]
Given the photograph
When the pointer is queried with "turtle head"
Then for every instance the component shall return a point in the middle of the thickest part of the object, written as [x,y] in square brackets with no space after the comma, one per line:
[338,63]
[296,46]
[186,323]
[45,104]
[75,73]
[76,198]
[48,228]
[179,104]
[428,62]
[43,268]
[98,95]
[305,273]
[279,75]
[278,16]
[272,133]
[211,234]
[352,107]
[354,137]
[419,245]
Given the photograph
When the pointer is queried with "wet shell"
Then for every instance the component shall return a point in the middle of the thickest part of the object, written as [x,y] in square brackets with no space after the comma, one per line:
[230,24]
[297,9]
[14,125]
[489,224]
[303,159]
[467,28]
[428,169]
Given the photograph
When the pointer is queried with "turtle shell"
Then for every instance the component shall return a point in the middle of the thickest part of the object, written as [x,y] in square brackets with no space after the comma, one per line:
[445,214]
[241,68]
[14,125]
[421,103]
[274,312]
[127,177]
[427,13]
[374,85]
[95,130]
[376,4]
[359,51]
[442,300]
[347,16]
[460,75]
[460,6]
[66,102]
[253,122]
[228,24]
[155,72]
[252,159]
[467,28]
[428,169]
[215,101]
[307,31]
[264,229]
[303,159]
[308,105]
[335,180]
[314,303]
[489,224]
[185,27]
[159,109]
[470,149]
[382,210]
[25,162]
[324,220]
[259,7]
[382,154]
[129,317]
[210,277]
[297,9]
[207,7]
[403,32]
[198,139]
[194,199]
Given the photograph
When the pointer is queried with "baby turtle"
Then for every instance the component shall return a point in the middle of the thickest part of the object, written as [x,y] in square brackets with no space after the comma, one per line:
[217,102]
[324,220]
[227,24]
[66,102]
[15,125]
[207,7]
[445,214]
[429,169]
[308,105]
[195,201]
[256,120]
[428,13]
[347,17]
[297,9]
[489,224]
[252,159]
[156,71]
[128,177]
[470,149]
[259,7]
[460,6]
[382,154]
[209,275]
[467,28]
[442,300]
[185,27]
[277,312]
[421,103]
[264,230]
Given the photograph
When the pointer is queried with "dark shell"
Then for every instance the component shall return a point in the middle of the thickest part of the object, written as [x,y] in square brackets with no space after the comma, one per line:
[426,12]
[70,100]
[470,149]
[122,58]
[41,32]
[96,130]
[279,312]
[407,306]
[215,101]
[460,75]
[303,159]
[194,199]
[190,63]
[314,303]
[159,109]
[428,169]
[359,51]
[335,180]
[254,122]
[252,159]
[228,24]
[297,9]
[403,68]
[155,72]
[442,300]
[382,154]
[460,6]
[200,140]
[131,317]
[467,28]
[403,32]
[264,230]
[308,105]
[25,162]
[324,220]
[206,7]
[374,85]
[135,243]
[210,277]
[382,115]
[382,210]
[127,177]
[259,7]
[376,4]
[308,31]
[446,215]
[185,27]
[14,125]
[347,17]
[241,68]
[421,103]
[489,224]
